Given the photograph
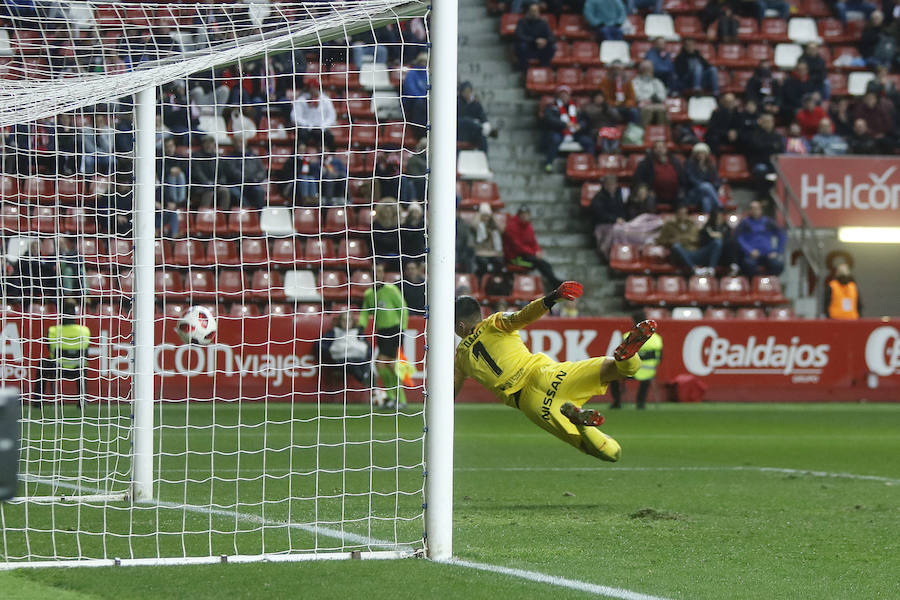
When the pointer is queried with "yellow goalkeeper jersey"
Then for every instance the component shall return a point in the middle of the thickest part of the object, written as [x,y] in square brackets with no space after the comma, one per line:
[495,356]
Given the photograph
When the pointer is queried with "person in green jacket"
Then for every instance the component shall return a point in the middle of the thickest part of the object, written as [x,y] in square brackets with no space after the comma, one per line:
[384,302]
[651,355]
[68,344]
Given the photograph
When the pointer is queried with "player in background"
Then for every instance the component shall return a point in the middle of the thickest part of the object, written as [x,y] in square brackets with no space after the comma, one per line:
[385,302]
[550,393]
[68,344]
[651,355]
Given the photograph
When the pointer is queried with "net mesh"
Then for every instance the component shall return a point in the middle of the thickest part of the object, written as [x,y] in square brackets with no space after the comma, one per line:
[290,192]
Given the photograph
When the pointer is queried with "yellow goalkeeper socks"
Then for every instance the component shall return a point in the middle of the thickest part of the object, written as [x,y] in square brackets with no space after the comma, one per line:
[629,366]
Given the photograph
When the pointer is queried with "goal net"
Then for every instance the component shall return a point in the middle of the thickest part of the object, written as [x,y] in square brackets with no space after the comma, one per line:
[267,161]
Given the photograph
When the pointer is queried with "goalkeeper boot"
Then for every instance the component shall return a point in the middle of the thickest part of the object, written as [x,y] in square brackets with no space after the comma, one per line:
[582,416]
[634,339]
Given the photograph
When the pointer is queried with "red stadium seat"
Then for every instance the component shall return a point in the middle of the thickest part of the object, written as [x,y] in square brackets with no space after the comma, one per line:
[254,252]
[467,284]
[80,220]
[815,8]
[306,221]
[44,220]
[570,76]
[93,250]
[588,191]
[754,314]
[244,221]
[774,30]
[360,281]
[121,251]
[277,309]
[356,253]
[240,311]
[319,251]
[508,23]
[210,222]
[200,285]
[175,310]
[334,285]
[671,290]
[97,284]
[484,191]
[563,55]
[586,53]
[14,218]
[624,258]
[613,164]
[748,29]
[703,290]
[657,259]
[337,220]
[593,77]
[495,288]
[782,314]
[230,284]
[580,167]
[540,80]
[767,291]
[759,52]
[188,252]
[689,27]
[526,288]
[640,289]
[734,291]
[572,27]
[676,108]
[718,314]
[168,283]
[733,168]
[267,285]
[731,55]
[657,313]
[286,252]
[222,252]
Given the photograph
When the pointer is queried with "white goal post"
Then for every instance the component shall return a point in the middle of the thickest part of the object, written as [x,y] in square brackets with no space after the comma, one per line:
[277,163]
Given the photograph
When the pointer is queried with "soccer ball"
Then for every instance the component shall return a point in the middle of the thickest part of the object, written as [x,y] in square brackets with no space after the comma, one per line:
[197,326]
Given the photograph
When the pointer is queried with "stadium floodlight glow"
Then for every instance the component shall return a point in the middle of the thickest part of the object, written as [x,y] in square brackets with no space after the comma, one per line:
[869,235]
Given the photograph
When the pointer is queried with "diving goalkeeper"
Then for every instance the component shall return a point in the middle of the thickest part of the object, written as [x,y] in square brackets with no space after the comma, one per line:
[549,393]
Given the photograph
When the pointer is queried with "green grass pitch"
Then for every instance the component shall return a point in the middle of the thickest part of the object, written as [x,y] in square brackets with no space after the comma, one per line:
[709,502]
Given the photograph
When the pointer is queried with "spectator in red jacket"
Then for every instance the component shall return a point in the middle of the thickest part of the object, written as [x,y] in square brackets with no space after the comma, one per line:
[810,115]
[520,247]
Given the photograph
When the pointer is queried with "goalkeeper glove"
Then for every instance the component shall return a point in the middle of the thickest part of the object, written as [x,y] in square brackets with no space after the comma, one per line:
[567,290]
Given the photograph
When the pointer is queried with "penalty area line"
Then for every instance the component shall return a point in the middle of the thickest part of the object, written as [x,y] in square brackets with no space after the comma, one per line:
[581,586]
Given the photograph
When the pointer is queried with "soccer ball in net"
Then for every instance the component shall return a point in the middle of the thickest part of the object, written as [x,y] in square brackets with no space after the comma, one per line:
[197,326]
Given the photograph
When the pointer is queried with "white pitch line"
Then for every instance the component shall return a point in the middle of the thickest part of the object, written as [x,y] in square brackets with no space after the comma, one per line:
[581,586]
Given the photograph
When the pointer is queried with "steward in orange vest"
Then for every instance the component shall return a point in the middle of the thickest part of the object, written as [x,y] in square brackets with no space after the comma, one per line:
[842,299]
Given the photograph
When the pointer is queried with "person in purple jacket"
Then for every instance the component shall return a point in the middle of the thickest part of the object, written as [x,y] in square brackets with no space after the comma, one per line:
[762,242]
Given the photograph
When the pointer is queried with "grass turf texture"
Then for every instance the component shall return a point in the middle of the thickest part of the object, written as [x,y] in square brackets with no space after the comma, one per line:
[689,512]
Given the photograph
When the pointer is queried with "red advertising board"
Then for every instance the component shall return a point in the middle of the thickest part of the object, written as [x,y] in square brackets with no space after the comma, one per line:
[272,358]
[840,191]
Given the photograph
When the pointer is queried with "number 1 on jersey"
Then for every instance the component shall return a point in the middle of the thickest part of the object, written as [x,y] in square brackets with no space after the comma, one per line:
[479,351]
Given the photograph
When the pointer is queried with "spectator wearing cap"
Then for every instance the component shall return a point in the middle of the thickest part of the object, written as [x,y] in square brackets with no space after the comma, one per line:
[561,122]
[662,174]
[534,39]
[473,126]
[663,62]
[724,124]
[693,71]
[827,142]
[762,242]
[810,115]
[860,141]
[650,94]
[313,113]
[619,91]
[520,247]
[878,114]
[703,180]
[760,144]
[605,17]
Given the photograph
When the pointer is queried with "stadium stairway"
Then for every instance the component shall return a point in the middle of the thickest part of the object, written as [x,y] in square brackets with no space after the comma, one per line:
[562,230]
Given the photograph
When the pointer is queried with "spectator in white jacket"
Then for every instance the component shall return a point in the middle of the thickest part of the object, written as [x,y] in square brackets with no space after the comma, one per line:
[313,113]
[650,94]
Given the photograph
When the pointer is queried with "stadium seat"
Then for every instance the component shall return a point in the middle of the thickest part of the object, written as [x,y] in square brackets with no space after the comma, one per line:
[640,289]
[80,220]
[572,77]
[613,164]
[845,57]
[803,30]
[815,8]
[732,55]
[677,110]
[572,27]
[210,222]
[703,291]
[857,82]
[748,29]
[689,26]
[838,83]
[563,55]
[121,251]
[266,285]
[753,314]
[484,191]
[687,313]
[716,313]
[334,286]
[540,80]
[734,291]
[656,26]
[473,164]
[526,288]
[318,252]
[14,218]
[375,76]
[221,253]
[276,221]
[364,218]
[230,284]
[288,253]
[174,310]
[700,108]
[200,285]
[492,284]
[612,50]
[657,259]
[774,30]
[244,221]
[586,54]
[355,252]
[786,55]
[467,284]
[624,258]
[657,313]
[639,50]
[278,309]
[97,284]
[92,250]
[360,281]
[733,168]
[240,311]
[306,221]
[766,291]
[44,220]
[168,283]
[671,290]
[580,167]
[832,31]
[759,52]
[508,23]
[254,252]
[782,314]
[588,191]
[337,220]
[300,286]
